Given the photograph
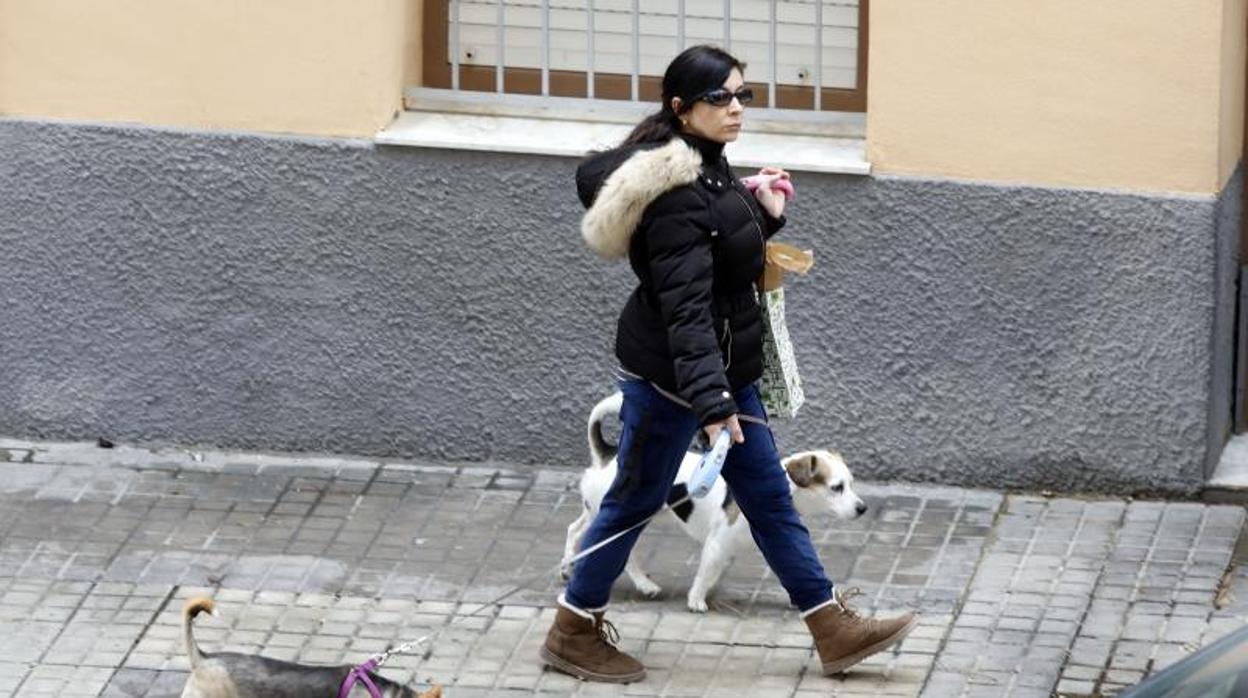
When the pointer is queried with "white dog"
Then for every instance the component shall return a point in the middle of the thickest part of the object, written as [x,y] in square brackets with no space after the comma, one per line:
[820,481]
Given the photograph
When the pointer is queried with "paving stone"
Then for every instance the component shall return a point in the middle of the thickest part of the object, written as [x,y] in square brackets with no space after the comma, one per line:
[331,560]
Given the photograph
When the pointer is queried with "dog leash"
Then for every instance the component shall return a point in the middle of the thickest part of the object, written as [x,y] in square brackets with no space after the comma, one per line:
[705,474]
[381,658]
[712,462]
[409,646]
[362,672]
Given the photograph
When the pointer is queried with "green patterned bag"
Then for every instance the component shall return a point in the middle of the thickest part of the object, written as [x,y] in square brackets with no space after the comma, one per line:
[781,385]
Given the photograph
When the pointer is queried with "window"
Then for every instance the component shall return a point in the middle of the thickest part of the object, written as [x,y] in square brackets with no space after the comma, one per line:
[618,49]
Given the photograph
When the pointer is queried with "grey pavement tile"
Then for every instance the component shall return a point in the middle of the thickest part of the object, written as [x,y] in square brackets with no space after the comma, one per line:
[140,683]
[61,680]
[324,559]
[1119,597]
[12,674]
[1029,593]
[1146,607]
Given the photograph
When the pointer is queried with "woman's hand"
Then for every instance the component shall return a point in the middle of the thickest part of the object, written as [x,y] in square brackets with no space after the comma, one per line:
[772,201]
[734,427]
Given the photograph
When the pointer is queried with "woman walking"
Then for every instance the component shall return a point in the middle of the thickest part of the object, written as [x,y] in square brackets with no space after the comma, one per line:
[689,342]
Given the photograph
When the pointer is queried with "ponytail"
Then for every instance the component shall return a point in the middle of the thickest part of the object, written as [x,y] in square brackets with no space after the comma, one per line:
[659,127]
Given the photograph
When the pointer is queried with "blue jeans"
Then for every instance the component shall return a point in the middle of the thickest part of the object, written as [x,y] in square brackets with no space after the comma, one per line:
[655,436]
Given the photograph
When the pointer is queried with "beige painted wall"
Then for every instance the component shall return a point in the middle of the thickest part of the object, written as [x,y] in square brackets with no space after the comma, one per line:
[1138,94]
[412,66]
[327,67]
[1234,64]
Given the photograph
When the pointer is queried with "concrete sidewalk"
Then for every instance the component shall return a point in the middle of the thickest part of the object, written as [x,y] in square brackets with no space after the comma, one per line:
[330,560]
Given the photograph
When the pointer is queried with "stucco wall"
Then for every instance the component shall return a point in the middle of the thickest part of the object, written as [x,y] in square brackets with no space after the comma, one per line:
[302,66]
[1132,94]
[293,294]
[1222,379]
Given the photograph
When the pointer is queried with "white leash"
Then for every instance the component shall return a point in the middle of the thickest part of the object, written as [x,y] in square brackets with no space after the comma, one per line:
[700,484]
[409,646]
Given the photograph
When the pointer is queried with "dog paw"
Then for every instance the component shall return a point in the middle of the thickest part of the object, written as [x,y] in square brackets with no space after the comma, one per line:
[697,604]
[649,588]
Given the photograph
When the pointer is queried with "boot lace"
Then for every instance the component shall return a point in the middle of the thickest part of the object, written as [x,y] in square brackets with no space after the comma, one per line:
[608,633]
[844,597]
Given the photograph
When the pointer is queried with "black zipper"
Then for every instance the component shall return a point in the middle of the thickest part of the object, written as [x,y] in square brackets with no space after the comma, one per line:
[762,239]
[757,226]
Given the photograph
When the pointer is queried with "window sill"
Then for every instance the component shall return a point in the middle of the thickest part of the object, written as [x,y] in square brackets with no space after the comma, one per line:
[768,140]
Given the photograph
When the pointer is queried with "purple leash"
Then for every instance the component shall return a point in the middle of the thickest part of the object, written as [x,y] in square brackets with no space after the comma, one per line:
[361,674]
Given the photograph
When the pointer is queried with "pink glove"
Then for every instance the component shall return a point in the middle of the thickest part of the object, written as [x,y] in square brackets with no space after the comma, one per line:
[783,186]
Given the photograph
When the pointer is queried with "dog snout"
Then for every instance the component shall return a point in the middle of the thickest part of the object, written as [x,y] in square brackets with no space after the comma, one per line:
[860,509]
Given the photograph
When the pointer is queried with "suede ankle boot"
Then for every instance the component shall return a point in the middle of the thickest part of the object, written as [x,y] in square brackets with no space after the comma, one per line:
[845,638]
[583,645]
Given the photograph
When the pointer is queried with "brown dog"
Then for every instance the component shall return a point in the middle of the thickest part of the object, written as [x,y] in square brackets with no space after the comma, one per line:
[233,675]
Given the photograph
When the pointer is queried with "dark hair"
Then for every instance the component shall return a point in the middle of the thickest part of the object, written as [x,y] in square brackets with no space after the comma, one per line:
[696,71]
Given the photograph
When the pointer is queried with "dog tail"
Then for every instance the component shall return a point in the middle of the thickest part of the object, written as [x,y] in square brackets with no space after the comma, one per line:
[194,607]
[599,450]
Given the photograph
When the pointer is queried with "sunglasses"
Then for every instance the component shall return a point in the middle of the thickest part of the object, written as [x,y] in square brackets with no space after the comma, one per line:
[722,96]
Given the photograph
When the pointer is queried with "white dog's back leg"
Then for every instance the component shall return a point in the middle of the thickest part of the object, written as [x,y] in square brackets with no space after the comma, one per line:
[576,531]
[717,554]
[638,576]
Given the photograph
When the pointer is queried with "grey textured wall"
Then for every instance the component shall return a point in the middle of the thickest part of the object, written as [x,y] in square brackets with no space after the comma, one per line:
[1222,378]
[291,294]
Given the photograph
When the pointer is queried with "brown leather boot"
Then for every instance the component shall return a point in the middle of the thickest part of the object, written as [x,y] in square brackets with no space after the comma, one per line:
[845,638]
[583,645]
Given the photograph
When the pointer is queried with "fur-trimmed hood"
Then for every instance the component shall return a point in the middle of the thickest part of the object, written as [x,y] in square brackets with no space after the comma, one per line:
[618,185]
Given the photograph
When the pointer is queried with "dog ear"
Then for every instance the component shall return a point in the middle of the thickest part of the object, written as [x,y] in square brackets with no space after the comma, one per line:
[802,470]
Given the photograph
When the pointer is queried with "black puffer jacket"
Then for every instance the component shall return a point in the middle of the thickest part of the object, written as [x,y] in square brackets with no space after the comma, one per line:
[694,236]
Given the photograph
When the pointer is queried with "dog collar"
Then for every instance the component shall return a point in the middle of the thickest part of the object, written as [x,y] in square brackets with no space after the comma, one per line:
[360,674]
